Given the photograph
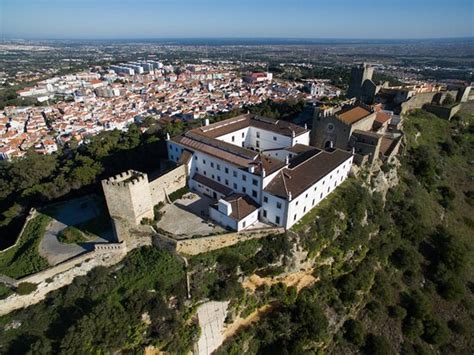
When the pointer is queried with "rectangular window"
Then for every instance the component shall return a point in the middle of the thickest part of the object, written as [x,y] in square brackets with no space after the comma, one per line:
[265,199]
[244,177]
[227,182]
[243,224]
[296,203]
[218,167]
[254,182]
[244,190]
[226,170]
[306,196]
[212,164]
[196,158]
[277,219]
[204,161]
[204,172]
[254,193]
[274,138]
[218,178]
[213,177]
[258,134]
[321,196]
[304,210]
[233,139]
[294,217]
[265,213]
[197,170]
[258,144]
[313,201]
[279,205]
[235,186]
[235,173]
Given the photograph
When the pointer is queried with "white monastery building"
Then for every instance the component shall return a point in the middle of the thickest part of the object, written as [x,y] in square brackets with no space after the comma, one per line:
[258,168]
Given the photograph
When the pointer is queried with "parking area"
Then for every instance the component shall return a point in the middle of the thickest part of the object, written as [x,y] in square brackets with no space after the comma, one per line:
[188,217]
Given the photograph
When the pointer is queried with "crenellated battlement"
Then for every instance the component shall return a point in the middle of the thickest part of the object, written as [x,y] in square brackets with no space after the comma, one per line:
[126,178]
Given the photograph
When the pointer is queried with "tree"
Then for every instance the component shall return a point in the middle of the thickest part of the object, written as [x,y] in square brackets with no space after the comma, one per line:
[354,332]
[378,345]
[435,332]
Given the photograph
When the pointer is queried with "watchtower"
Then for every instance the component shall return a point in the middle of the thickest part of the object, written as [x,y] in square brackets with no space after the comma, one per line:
[128,197]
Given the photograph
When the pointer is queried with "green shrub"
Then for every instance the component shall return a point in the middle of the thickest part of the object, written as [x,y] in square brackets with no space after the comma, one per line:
[71,235]
[457,327]
[397,312]
[176,195]
[26,288]
[435,332]
[4,291]
[354,332]
[378,345]
[412,328]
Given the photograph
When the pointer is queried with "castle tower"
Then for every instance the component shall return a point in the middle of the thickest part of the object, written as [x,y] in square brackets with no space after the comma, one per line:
[359,74]
[128,197]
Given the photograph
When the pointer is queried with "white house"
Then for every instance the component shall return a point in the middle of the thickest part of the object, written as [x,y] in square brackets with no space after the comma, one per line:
[258,168]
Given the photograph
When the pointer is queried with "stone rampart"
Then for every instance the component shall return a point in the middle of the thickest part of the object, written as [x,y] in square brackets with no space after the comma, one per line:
[167,183]
[59,276]
[200,245]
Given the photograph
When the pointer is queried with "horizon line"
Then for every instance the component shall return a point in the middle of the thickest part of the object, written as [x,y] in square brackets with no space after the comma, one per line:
[20,38]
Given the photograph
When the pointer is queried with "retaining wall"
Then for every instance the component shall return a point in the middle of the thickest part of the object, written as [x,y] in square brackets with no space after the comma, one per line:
[200,245]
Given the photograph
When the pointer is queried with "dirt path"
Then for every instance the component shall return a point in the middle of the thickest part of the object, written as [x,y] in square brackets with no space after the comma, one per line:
[299,279]
[239,323]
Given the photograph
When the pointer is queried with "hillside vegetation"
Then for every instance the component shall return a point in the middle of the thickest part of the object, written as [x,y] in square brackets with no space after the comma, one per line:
[392,275]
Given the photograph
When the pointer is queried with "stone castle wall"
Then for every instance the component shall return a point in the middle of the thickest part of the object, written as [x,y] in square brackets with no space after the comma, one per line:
[419,100]
[61,275]
[200,245]
[167,183]
[443,112]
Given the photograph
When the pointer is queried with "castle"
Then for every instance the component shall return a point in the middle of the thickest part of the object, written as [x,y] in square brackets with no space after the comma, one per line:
[252,168]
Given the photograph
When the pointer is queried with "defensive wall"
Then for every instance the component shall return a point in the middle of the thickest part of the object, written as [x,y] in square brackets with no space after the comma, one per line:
[199,245]
[419,100]
[63,274]
[443,111]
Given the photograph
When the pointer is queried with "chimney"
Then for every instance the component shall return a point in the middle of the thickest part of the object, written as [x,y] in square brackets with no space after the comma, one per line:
[264,173]
[251,169]
[287,160]
[167,136]
[289,196]
[206,122]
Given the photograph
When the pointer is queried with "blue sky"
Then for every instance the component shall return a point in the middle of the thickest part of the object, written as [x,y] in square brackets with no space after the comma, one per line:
[86,19]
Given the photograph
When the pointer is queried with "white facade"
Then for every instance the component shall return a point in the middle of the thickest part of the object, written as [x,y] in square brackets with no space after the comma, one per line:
[227,176]
[312,196]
